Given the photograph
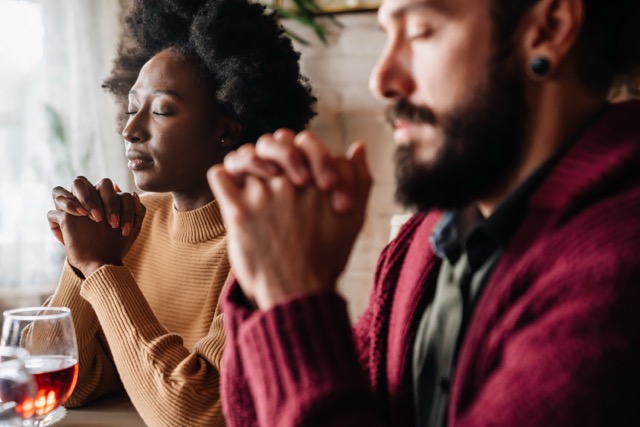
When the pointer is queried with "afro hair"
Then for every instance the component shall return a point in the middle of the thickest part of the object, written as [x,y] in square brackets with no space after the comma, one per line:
[241,50]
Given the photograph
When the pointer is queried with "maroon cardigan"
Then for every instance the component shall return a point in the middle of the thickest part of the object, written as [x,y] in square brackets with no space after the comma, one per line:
[554,339]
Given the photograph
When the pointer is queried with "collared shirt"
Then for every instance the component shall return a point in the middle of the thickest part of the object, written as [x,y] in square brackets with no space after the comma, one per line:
[469,246]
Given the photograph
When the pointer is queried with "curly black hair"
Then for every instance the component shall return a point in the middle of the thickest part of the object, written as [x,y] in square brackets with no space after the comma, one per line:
[608,45]
[240,49]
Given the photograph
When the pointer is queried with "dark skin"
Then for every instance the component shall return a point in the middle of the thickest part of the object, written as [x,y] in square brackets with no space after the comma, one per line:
[173,135]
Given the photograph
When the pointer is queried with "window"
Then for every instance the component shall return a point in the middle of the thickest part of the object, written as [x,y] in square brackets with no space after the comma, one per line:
[55,123]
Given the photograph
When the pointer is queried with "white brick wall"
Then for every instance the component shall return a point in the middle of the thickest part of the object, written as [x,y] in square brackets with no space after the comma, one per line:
[339,74]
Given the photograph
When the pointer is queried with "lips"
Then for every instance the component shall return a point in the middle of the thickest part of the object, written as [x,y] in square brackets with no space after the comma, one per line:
[138,161]
[402,131]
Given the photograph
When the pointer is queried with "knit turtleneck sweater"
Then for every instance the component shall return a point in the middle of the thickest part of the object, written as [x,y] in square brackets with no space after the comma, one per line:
[154,325]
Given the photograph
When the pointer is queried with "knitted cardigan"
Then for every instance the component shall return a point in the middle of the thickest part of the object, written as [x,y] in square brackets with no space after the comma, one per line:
[554,339]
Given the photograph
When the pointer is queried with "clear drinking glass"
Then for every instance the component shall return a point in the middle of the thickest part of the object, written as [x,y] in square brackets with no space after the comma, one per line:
[48,336]
[17,388]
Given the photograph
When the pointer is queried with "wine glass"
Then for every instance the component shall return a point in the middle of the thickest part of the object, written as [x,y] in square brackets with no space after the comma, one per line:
[47,334]
[17,388]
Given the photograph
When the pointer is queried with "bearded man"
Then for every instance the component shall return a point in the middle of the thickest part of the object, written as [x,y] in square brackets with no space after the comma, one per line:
[511,297]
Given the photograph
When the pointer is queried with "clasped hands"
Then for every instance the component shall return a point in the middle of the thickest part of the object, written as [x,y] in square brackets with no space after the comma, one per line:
[292,213]
[96,224]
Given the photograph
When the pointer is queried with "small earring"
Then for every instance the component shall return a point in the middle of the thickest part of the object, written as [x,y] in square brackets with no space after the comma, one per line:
[222,141]
[540,67]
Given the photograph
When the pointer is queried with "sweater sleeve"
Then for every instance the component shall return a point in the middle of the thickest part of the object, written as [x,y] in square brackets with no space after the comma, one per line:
[295,365]
[166,382]
[97,375]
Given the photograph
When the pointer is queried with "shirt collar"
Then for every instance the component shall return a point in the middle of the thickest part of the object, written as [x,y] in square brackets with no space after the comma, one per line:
[483,236]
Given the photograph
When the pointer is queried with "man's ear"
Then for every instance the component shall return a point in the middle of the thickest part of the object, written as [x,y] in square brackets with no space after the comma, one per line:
[232,131]
[551,29]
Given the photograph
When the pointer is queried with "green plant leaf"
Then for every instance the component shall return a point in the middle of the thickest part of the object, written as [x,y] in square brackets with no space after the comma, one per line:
[306,13]
[296,37]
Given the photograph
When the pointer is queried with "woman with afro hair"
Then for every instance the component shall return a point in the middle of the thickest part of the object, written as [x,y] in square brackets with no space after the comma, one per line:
[144,275]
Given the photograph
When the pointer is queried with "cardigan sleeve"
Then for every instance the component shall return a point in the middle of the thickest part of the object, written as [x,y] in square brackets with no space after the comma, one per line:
[97,374]
[295,365]
[168,384]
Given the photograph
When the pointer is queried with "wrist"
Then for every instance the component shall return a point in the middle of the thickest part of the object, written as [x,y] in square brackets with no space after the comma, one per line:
[89,268]
[267,296]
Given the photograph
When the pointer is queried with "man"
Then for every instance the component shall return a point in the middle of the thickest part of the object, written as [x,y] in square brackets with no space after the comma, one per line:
[510,298]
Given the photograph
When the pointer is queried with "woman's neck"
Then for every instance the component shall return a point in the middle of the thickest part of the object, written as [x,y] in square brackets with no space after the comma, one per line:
[184,202]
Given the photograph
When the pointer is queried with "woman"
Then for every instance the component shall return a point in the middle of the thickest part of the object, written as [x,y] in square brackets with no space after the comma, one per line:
[144,287]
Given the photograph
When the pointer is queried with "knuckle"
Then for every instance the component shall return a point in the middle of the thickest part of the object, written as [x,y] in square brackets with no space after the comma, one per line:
[246,149]
[230,159]
[57,191]
[264,138]
[305,137]
[284,134]
[104,183]
[60,200]
[282,185]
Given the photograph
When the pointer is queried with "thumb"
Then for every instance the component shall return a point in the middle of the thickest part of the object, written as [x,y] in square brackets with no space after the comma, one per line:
[357,153]
[226,191]
[54,218]
[139,211]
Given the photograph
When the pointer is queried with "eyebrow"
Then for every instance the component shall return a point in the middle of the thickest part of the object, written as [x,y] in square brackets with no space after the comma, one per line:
[158,92]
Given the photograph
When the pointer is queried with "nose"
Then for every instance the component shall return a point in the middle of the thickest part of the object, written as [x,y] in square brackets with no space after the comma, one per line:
[134,131]
[391,77]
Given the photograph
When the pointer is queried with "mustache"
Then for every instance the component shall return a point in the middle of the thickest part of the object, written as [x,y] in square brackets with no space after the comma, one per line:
[406,111]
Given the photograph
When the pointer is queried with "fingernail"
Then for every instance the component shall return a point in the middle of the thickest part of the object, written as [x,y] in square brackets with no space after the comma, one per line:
[82,211]
[97,216]
[114,221]
[136,196]
[126,229]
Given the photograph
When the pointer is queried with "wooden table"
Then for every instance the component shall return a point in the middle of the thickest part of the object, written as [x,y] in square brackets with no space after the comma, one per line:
[110,411]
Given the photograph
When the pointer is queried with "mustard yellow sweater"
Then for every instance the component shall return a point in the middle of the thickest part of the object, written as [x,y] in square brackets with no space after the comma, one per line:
[154,325]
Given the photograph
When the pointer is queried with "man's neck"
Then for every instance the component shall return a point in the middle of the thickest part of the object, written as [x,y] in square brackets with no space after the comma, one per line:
[558,113]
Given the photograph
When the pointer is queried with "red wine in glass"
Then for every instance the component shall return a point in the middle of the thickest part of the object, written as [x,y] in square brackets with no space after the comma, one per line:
[48,336]
[55,378]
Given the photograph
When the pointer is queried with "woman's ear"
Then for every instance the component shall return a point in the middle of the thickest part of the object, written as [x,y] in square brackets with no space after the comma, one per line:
[232,131]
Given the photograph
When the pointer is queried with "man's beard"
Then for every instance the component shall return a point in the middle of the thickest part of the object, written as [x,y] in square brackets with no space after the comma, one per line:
[483,141]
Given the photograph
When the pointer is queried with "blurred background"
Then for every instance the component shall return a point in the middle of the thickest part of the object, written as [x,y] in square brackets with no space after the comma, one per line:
[56,123]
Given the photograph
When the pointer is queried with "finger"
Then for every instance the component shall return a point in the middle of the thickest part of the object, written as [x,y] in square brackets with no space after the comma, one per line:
[285,155]
[342,193]
[88,197]
[55,218]
[127,212]
[65,201]
[355,180]
[358,154]
[115,187]
[226,191]
[319,159]
[110,201]
[245,161]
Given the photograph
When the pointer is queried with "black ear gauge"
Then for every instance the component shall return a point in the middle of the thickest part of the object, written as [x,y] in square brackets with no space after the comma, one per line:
[540,67]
